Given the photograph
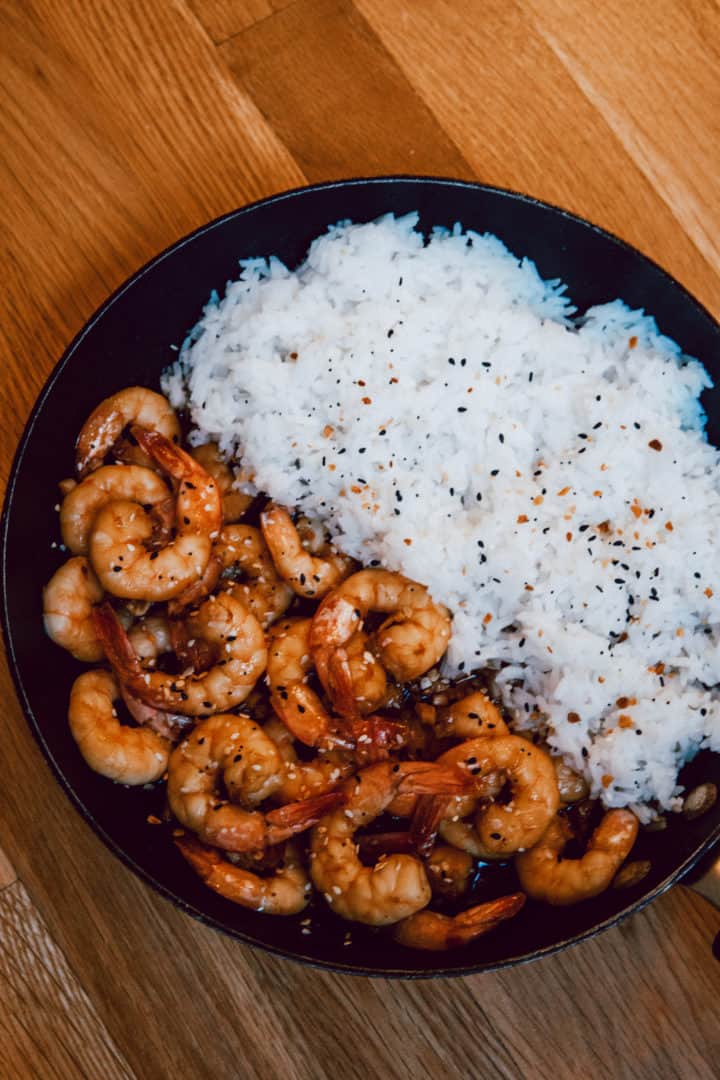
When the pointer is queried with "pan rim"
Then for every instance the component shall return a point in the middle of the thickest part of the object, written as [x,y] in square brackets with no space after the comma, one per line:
[167,893]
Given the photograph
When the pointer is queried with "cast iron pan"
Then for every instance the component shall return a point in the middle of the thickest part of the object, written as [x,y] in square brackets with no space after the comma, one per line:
[128,341]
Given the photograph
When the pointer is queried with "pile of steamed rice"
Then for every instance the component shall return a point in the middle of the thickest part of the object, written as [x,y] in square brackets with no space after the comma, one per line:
[439,409]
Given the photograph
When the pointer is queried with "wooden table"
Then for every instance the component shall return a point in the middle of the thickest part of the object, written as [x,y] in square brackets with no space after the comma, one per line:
[126,124]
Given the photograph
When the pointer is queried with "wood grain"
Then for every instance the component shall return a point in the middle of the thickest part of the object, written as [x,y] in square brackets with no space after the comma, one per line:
[126,125]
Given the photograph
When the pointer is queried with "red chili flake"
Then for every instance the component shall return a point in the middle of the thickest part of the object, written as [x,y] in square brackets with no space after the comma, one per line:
[367,401]
[657,669]
[708,593]
[328,431]
[636,510]
[669,526]
[607,780]
[597,494]
[537,501]
[655,444]
[521,519]
[355,489]
[361,382]
[563,491]
[331,467]
[622,702]
[394,379]
[152,820]
[568,536]
[488,618]
[529,588]
[573,718]
[633,342]
[407,541]
[625,721]
[604,526]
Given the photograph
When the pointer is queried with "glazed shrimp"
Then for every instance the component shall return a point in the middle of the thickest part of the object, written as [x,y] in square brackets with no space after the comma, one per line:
[545,875]
[122,530]
[409,642]
[433,931]
[449,871]
[225,624]
[303,779]
[571,786]
[397,886]
[470,718]
[68,601]
[308,575]
[289,664]
[286,892]
[130,755]
[501,829]
[244,554]
[108,483]
[234,503]
[106,423]
[229,747]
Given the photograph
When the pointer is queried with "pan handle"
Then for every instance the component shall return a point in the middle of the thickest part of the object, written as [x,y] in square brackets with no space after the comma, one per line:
[704,878]
[707,881]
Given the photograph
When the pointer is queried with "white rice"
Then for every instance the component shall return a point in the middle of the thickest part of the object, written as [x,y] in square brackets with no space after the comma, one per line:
[437,407]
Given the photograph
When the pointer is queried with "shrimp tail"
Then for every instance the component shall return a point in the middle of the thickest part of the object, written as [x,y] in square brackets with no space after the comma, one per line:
[430,810]
[170,726]
[296,817]
[120,654]
[428,778]
[339,685]
[204,860]
[373,846]
[482,918]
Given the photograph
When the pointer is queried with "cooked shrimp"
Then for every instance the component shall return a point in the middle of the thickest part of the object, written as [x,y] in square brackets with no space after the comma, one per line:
[545,875]
[449,871]
[303,779]
[571,785]
[356,682]
[286,892]
[106,423]
[472,717]
[397,886]
[222,622]
[106,484]
[308,575]
[244,554]
[501,829]
[409,642]
[68,600]
[130,755]
[289,664]
[233,749]
[436,932]
[234,503]
[122,529]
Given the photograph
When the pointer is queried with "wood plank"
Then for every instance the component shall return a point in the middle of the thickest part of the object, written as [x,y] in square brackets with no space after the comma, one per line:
[675,144]
[224,18]
[319,58]
[504,95]
[48,1024]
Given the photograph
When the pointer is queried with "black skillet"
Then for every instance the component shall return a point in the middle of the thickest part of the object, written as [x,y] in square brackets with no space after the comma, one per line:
[129,341]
